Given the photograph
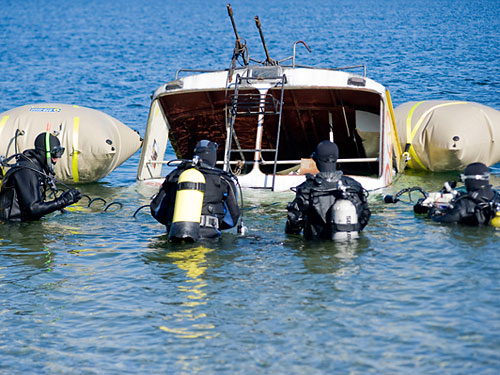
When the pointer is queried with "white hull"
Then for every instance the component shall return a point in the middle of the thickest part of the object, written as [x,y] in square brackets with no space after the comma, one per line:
[317,104]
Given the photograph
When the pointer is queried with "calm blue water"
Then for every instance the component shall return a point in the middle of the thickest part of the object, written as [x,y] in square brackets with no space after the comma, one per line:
[93,292]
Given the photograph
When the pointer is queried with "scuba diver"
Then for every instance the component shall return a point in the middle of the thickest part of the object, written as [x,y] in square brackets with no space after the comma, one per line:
[197,200]
[328,205]
[24,186]
[477,206]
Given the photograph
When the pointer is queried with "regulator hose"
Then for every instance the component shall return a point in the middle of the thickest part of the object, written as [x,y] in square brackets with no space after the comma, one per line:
[395,198]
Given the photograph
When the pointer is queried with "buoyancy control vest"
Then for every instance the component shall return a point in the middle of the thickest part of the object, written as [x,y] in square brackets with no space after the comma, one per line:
[33,176]
[481,211]
[8,209]
[333,212]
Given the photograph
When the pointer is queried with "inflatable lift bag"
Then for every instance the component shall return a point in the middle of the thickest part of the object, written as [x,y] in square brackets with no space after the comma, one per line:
[95,142]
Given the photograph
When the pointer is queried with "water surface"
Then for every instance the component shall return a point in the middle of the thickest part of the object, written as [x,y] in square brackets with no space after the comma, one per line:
[94,292]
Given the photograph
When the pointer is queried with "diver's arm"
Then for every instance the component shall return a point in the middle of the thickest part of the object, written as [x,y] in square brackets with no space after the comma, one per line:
[164,201]
[295,217]
[231,206]
[451,215]
[362,208]
[29,196]
[364,214]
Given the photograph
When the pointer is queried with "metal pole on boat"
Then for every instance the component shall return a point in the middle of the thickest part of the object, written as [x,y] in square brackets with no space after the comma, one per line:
[268,59]
[238,46]
[260,129]
[330,123]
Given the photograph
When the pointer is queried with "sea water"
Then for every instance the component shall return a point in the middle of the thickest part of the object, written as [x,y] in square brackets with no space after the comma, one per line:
[103,292]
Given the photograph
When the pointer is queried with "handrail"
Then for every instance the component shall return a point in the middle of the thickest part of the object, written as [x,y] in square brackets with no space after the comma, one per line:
[349,67]
[199,71]
[350,160]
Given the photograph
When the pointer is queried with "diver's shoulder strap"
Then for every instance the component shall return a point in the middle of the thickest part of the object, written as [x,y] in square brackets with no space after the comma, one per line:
[9,174]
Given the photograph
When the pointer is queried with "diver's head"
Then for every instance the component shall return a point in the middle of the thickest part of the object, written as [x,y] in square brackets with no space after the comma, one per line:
[475,176]
[48,144]
[207,151]
[325,155]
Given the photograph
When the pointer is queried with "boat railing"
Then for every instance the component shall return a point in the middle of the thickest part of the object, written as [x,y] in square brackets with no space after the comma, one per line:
[198,71]
[293,66]
[279,79]
[342,68]
[264,162]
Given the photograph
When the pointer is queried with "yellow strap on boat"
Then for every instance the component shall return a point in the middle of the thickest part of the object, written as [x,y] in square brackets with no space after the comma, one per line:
[394,127]
[409,136]
[410,133]
[74,161]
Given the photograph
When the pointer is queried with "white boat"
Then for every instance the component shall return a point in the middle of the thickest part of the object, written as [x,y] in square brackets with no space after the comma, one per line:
[95,142]
[448,135]
[268,117]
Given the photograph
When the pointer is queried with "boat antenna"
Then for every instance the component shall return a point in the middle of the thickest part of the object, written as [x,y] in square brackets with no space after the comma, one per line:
[240,49]
[269,60]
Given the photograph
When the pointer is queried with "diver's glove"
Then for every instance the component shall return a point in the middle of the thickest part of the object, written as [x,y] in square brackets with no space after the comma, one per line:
[420,207]
[434,211]
[70,196]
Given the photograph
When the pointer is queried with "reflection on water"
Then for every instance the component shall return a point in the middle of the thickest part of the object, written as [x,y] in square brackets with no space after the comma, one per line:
[328,257]
[189,323]
[28,243]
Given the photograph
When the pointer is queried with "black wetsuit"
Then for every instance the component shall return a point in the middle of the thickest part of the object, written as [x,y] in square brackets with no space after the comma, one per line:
[312,207]
[220,202]
[471,208]
[22,194]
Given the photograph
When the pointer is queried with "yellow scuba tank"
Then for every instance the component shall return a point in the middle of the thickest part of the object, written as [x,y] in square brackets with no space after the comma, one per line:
[496,220]
[188,205]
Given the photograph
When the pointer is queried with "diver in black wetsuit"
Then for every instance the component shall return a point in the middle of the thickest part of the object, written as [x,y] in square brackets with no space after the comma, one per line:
[313,207]
[475,207]
[220,205]
[23,188]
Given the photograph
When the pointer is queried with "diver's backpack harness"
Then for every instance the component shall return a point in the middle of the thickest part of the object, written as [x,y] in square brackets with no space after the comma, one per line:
[167,210]
[337,207]
[8,194]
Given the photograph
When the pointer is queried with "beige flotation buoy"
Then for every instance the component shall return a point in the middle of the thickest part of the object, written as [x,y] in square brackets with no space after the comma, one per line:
[95,142]
[446,135]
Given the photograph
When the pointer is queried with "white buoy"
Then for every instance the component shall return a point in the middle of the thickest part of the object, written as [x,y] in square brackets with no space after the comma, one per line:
[95,142]
[448,135]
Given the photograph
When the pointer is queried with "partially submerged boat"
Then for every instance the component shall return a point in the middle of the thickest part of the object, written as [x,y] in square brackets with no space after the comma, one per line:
[267,118]
[95,142]
[448,135]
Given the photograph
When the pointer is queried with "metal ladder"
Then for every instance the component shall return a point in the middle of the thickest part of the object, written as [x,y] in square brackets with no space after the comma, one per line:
[254,105]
